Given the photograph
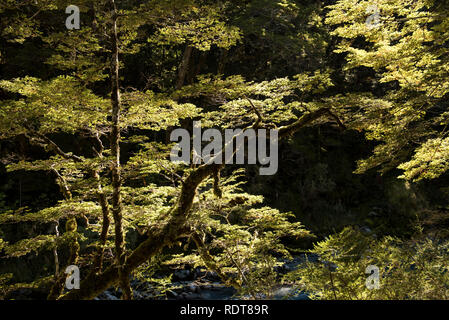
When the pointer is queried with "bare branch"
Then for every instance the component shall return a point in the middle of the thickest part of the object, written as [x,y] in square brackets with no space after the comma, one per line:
[55,148]
[259,115]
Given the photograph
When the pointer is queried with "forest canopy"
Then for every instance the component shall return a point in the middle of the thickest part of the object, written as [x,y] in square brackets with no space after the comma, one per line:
[355,90]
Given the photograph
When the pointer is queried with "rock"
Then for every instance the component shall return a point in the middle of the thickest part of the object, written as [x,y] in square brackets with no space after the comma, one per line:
[193,288]
[365,229]
[191,296]
[172,294]
[139,296]
[301,296]
[212,276]
[331,266]
[373,214]
[199,273]
[208,287]
[282,292]
[107,296]
[287,267]
[181,275]
[289,293]
[183,296]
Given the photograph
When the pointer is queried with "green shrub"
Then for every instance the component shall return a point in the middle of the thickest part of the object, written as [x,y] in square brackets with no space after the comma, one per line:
[407,269]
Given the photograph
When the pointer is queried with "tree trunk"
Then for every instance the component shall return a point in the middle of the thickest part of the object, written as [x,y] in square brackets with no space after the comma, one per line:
[184,66]
[98,261]
[115,152]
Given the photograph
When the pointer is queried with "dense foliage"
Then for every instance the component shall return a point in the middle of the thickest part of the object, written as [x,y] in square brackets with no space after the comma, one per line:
[93,108]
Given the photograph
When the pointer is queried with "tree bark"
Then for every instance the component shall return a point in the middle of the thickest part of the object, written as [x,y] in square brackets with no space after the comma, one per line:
[184,66]
[98,262]
[117,211]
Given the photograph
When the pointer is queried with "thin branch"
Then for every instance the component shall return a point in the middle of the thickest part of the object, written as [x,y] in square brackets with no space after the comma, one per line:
[57,149]
[259,115]
[210,261]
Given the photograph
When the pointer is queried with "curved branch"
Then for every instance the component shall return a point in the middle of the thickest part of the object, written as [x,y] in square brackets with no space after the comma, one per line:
[175,228]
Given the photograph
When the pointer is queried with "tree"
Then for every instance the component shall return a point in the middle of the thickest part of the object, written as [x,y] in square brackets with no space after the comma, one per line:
[195,202]
[407,52]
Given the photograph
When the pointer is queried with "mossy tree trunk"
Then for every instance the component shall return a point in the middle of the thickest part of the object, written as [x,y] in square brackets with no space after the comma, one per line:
[117,208]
